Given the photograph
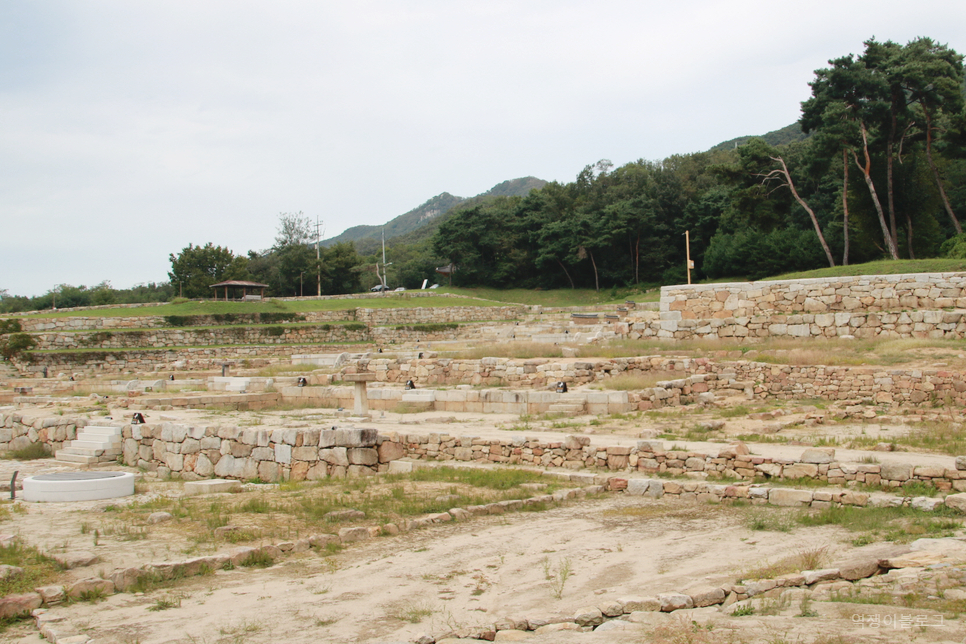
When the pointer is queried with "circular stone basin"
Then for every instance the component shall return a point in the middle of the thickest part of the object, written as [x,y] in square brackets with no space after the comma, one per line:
[77,486]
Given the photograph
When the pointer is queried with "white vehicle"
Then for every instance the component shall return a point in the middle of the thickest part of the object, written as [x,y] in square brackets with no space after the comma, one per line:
[401,288]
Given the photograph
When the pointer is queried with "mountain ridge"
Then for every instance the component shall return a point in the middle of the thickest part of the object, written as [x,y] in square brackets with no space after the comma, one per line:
[430,212]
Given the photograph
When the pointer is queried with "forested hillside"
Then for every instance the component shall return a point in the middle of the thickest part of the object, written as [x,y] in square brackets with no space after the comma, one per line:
[882,174]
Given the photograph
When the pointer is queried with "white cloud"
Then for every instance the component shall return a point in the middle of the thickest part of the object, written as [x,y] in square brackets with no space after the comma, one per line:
[151,125]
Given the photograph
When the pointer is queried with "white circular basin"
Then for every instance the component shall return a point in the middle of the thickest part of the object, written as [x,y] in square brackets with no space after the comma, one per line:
[77,486]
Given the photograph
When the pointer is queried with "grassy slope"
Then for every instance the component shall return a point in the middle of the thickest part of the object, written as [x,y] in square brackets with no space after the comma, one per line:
[884,267]
[558,297]
[214,308]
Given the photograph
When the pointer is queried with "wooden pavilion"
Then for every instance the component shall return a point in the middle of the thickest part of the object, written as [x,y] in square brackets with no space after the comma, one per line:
[239,284]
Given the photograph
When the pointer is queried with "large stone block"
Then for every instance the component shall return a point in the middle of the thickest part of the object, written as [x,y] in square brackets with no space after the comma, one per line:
[211,486]
[800,471]
[789,498]
[391,451]
[895,471]
[818,455]
[348,438]
[674,601]
[363,456]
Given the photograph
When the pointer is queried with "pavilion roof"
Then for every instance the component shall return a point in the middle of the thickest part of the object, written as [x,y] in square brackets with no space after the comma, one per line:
[239,283]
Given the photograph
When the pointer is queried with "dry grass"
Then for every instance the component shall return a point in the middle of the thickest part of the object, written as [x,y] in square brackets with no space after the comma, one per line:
[806,559]
[681,630]
[807,351]
[636,381]
[520,350]
[287,369]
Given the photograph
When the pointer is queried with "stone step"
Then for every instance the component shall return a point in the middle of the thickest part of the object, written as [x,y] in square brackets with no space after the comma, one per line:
[564,408]
[99,438]
[75,458]
[82,451]
[99,446]
[101,430]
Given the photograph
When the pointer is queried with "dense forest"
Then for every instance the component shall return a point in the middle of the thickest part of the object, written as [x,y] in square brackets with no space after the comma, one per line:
[880,173]
[875,168]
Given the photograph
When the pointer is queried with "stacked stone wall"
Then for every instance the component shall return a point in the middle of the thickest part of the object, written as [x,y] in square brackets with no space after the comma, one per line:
[921,305]
[195,452]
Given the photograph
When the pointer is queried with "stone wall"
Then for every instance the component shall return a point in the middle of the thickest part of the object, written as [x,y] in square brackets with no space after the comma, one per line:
[194,452]
[187,337]
[887,306]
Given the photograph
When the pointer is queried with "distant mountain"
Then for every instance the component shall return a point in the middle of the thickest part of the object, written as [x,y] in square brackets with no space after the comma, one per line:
[429,215]
[787,134]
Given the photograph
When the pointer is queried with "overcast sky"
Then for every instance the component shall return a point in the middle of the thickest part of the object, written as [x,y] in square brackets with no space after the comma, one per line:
[130,129]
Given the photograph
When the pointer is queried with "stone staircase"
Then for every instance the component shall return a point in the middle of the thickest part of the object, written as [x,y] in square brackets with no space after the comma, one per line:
[568,405]
[93,445]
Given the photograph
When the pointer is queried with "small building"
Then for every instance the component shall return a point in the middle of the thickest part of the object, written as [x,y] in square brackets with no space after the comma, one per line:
[234,285]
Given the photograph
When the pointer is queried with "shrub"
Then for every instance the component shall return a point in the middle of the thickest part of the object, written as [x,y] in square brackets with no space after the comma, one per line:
[29,453]
[15,343]
[10,326]
[178,320]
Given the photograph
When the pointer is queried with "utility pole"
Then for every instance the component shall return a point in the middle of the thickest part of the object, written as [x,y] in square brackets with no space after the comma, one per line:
[384,264]
[687,246]
[318,255]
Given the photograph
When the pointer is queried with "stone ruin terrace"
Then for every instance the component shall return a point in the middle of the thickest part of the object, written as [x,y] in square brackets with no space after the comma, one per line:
[717,499]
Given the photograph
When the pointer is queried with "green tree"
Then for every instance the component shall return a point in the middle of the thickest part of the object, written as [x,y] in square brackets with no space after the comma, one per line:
[196,268]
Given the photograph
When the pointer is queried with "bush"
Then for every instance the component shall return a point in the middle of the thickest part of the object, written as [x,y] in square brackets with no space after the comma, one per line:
[178,320]
[954,247]
[10,326]
[29,453]
[16,343]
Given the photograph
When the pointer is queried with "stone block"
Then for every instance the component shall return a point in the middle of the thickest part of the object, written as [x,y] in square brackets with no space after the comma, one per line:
[789,498]
[895,471]
[349,535]
[800,471]
[674,601]
[706,596]
[362,456]
[818,455]
[211,486]
[815,576]
[957,502]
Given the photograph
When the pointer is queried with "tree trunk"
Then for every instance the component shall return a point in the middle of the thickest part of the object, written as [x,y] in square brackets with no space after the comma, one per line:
[570,279]
[866,172]
[845,205]
[890,193]
[935,173]
[811,213]
[637,260]
[912,254]
[596,282]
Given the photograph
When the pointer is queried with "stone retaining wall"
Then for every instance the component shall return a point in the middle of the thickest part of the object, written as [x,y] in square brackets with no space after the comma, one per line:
[869,306]
[188,337]
[870,293]
[695,376]
[193,452]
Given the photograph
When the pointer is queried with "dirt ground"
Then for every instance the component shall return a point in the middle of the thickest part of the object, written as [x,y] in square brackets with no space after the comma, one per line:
[455,576]
[466,574]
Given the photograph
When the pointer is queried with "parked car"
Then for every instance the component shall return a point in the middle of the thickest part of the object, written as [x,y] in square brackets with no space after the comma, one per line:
[379,288]
[401,288]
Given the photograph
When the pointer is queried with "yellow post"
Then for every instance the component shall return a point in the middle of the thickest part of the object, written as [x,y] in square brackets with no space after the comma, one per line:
[687,246]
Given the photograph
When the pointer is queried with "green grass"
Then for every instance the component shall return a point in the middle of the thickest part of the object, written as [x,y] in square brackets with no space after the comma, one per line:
[38,569]
[899,525]
[212,307]
[559,297]
[884,267]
